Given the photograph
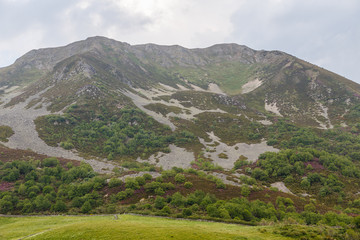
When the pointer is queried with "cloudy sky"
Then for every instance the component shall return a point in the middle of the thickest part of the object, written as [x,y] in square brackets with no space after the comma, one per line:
[324,32]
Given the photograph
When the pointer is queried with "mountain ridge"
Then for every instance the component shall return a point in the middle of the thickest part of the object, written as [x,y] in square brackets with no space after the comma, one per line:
[271,81]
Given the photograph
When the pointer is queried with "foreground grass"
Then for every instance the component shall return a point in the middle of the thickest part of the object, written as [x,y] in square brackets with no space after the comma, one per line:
[125,227]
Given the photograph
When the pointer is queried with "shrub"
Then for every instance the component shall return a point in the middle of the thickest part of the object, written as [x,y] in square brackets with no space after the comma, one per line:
[166,209]
[180,178]
[114,182]
[125,194]
[242,161]
[220,184]
[357,221]
[159,191]
[147,176]
[131,183]
[186,212]
[167,174]
[178,170]
[140,180]
[245,190]
[259,174]
[67,145]
[50,162]
[177,199]
[188,185]
[289,179]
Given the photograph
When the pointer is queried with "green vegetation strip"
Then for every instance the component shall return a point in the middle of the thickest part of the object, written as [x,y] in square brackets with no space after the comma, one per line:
[125,227]
[5,133]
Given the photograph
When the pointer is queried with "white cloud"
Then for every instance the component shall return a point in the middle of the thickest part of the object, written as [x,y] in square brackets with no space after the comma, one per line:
[323,32]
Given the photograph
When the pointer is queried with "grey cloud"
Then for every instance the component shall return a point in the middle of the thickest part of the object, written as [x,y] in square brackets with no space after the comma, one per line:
[323,32]
[51,17]
[19,16]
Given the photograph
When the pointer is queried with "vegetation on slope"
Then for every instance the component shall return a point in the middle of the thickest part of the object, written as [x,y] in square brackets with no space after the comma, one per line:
[5,133]
[128,133]
[48,187]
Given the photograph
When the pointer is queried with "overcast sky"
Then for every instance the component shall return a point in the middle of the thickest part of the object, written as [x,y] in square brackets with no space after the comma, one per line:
[323,32]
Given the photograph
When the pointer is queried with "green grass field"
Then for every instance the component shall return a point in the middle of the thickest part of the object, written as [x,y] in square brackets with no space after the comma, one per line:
[125,227]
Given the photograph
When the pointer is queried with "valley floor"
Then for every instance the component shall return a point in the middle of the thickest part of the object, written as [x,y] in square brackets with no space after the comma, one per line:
[125,227]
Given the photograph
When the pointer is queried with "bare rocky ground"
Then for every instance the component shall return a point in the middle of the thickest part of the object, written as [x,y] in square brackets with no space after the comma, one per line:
[216,147]
[178,157]
[224,178]
[21,120]
[251,86]
[146,97]
[282,188]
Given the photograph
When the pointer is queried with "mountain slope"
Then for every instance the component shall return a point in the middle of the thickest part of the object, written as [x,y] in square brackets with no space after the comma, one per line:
[224,132]
[225,91]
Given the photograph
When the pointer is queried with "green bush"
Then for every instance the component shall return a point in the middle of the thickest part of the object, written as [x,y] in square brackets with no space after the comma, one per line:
[180,178]
[50,162]
[159,202]
[220,184]
[86,207]
[67,145]
[187,212]
[131,183]
[147,176]
[114,182]
[188,185]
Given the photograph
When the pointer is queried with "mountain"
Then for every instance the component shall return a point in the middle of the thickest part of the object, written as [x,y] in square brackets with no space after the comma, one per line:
[223,132]
[195,90]
[117,101]
[266,81]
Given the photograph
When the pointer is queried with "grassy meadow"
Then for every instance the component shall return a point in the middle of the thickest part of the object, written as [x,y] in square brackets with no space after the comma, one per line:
[125,227]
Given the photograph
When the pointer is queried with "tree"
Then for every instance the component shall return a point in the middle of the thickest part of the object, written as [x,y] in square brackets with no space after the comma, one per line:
[5,206]
[305,183]
[59,206]
[259,174]
[357,221]
[177,199]
[213,211]
[41,203]
[86,207]
[186,212]
[159,202]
